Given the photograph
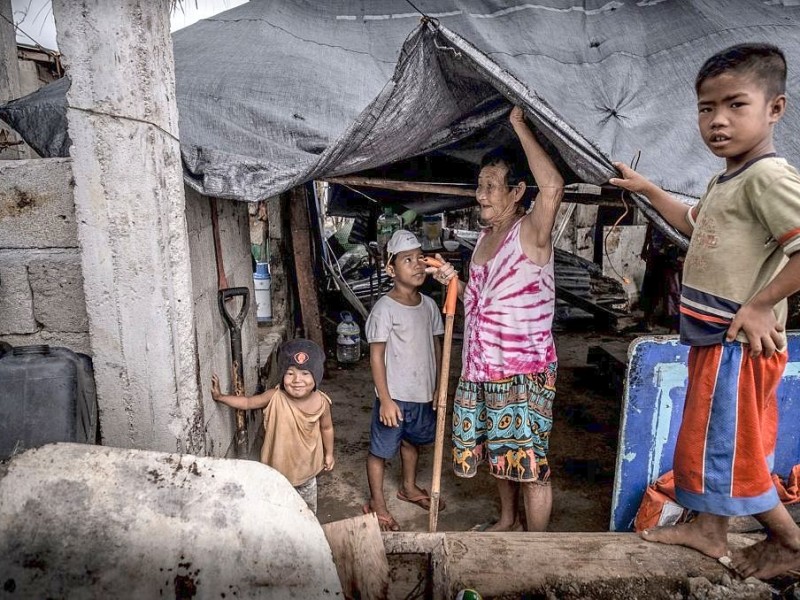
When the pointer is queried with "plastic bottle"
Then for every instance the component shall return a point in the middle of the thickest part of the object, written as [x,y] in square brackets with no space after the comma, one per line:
[262,283]
[388,223]
[348,339]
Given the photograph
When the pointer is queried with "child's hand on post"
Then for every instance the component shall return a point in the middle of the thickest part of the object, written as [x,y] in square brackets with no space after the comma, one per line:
[216,393]
[391,415]
[435,398]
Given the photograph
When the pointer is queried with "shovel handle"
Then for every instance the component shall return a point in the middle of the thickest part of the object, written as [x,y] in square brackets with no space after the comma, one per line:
[235,323]
[451,299]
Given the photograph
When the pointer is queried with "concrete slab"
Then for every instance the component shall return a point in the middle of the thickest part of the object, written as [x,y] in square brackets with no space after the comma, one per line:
[82,521]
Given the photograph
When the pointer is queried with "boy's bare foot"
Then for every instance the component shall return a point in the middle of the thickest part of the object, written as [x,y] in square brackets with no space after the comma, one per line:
[497,526]
[768,558]
[706,534]
[385,519]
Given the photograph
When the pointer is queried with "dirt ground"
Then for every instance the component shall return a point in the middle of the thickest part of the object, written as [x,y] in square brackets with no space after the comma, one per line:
[583,448]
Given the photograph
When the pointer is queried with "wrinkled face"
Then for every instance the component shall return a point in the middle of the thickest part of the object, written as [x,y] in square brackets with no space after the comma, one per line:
[735,116]
[407,268]
[298,383]
[496,198]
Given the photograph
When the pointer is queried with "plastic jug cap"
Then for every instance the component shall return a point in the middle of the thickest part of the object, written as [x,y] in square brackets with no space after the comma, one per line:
[346,316]
[262,270]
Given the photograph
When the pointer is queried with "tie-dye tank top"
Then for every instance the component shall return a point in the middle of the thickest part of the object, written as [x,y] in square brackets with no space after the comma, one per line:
[508,306]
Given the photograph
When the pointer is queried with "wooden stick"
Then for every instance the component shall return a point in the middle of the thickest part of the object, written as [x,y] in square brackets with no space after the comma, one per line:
[449,310]
[441,412]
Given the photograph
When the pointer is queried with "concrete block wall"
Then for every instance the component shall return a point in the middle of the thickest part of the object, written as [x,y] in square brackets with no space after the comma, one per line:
[41,283]
[213,337]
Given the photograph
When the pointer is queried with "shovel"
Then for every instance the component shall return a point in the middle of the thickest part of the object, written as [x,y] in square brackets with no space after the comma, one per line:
[237,367]
[449,310]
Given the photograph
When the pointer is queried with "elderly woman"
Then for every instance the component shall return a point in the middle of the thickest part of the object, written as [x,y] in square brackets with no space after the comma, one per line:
[503,402]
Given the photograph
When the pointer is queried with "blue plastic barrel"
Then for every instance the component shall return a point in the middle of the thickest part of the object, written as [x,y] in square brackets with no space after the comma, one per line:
[47,394]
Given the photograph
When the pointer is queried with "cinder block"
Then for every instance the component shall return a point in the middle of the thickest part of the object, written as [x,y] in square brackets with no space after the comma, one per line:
[16,297]
[37,209]
[75,341]
[57,285]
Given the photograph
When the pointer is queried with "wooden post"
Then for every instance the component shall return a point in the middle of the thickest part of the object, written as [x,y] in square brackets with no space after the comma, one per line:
[304,265]
[359,555]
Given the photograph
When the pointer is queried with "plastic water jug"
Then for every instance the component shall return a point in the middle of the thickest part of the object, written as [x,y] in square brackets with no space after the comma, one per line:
[387,224]
[261,285]
[348,339]
[47,394]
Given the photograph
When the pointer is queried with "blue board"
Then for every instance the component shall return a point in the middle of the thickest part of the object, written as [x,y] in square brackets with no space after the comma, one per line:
[652,407]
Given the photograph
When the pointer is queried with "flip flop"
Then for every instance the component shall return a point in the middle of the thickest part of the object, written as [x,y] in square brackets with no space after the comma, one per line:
[385,523]
[423,500]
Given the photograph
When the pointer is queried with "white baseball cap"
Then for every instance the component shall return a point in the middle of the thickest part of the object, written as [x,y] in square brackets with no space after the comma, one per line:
[401,241]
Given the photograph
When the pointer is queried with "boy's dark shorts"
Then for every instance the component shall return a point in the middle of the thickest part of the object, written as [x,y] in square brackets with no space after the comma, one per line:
[418,428]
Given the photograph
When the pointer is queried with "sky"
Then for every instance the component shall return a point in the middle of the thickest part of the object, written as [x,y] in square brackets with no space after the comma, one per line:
[35,18]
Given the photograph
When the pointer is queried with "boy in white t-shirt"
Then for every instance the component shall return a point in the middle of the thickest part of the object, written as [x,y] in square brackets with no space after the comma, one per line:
[402,332]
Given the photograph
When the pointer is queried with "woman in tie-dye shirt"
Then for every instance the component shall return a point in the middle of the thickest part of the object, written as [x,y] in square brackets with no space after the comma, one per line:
[503,403]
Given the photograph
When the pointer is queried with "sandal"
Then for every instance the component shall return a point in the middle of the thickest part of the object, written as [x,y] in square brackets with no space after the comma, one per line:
[385,522]
[423,500]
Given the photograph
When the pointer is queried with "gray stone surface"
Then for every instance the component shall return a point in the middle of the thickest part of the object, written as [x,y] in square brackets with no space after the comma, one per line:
[77,342]
[57,286]
[16,298]
[79,521]
[37,209]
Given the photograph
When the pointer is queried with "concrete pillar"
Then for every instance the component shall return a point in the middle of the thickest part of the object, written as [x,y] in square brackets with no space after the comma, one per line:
[130,209]
[9,79]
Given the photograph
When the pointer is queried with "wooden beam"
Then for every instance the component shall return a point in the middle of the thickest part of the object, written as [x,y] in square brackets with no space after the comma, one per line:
[304,265]
[617,564]
[359,556]
[579,193]
[405,186]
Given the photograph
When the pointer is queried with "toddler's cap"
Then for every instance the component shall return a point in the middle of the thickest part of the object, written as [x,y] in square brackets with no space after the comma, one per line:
[401,241]
[302,354]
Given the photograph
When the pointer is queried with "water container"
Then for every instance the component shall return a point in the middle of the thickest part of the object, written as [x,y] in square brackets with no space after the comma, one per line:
[261,284]
[47,394]
[387,224]
[348,339]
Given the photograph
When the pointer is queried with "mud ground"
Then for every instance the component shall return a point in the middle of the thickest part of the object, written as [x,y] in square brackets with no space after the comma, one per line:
[583,448]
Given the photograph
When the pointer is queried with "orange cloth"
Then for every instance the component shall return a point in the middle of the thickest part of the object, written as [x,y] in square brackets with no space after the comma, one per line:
[293,438]
[655,497]
[789,491]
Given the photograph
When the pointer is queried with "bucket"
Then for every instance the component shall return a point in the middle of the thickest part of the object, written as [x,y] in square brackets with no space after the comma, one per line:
[47,394]
[261,284]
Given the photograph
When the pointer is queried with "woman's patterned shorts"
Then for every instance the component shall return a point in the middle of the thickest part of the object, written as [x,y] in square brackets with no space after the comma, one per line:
[506,423]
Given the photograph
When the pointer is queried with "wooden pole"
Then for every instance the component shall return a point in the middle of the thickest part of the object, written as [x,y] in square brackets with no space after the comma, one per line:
[405,186]
[580,193]
[304,265]
[449,310]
